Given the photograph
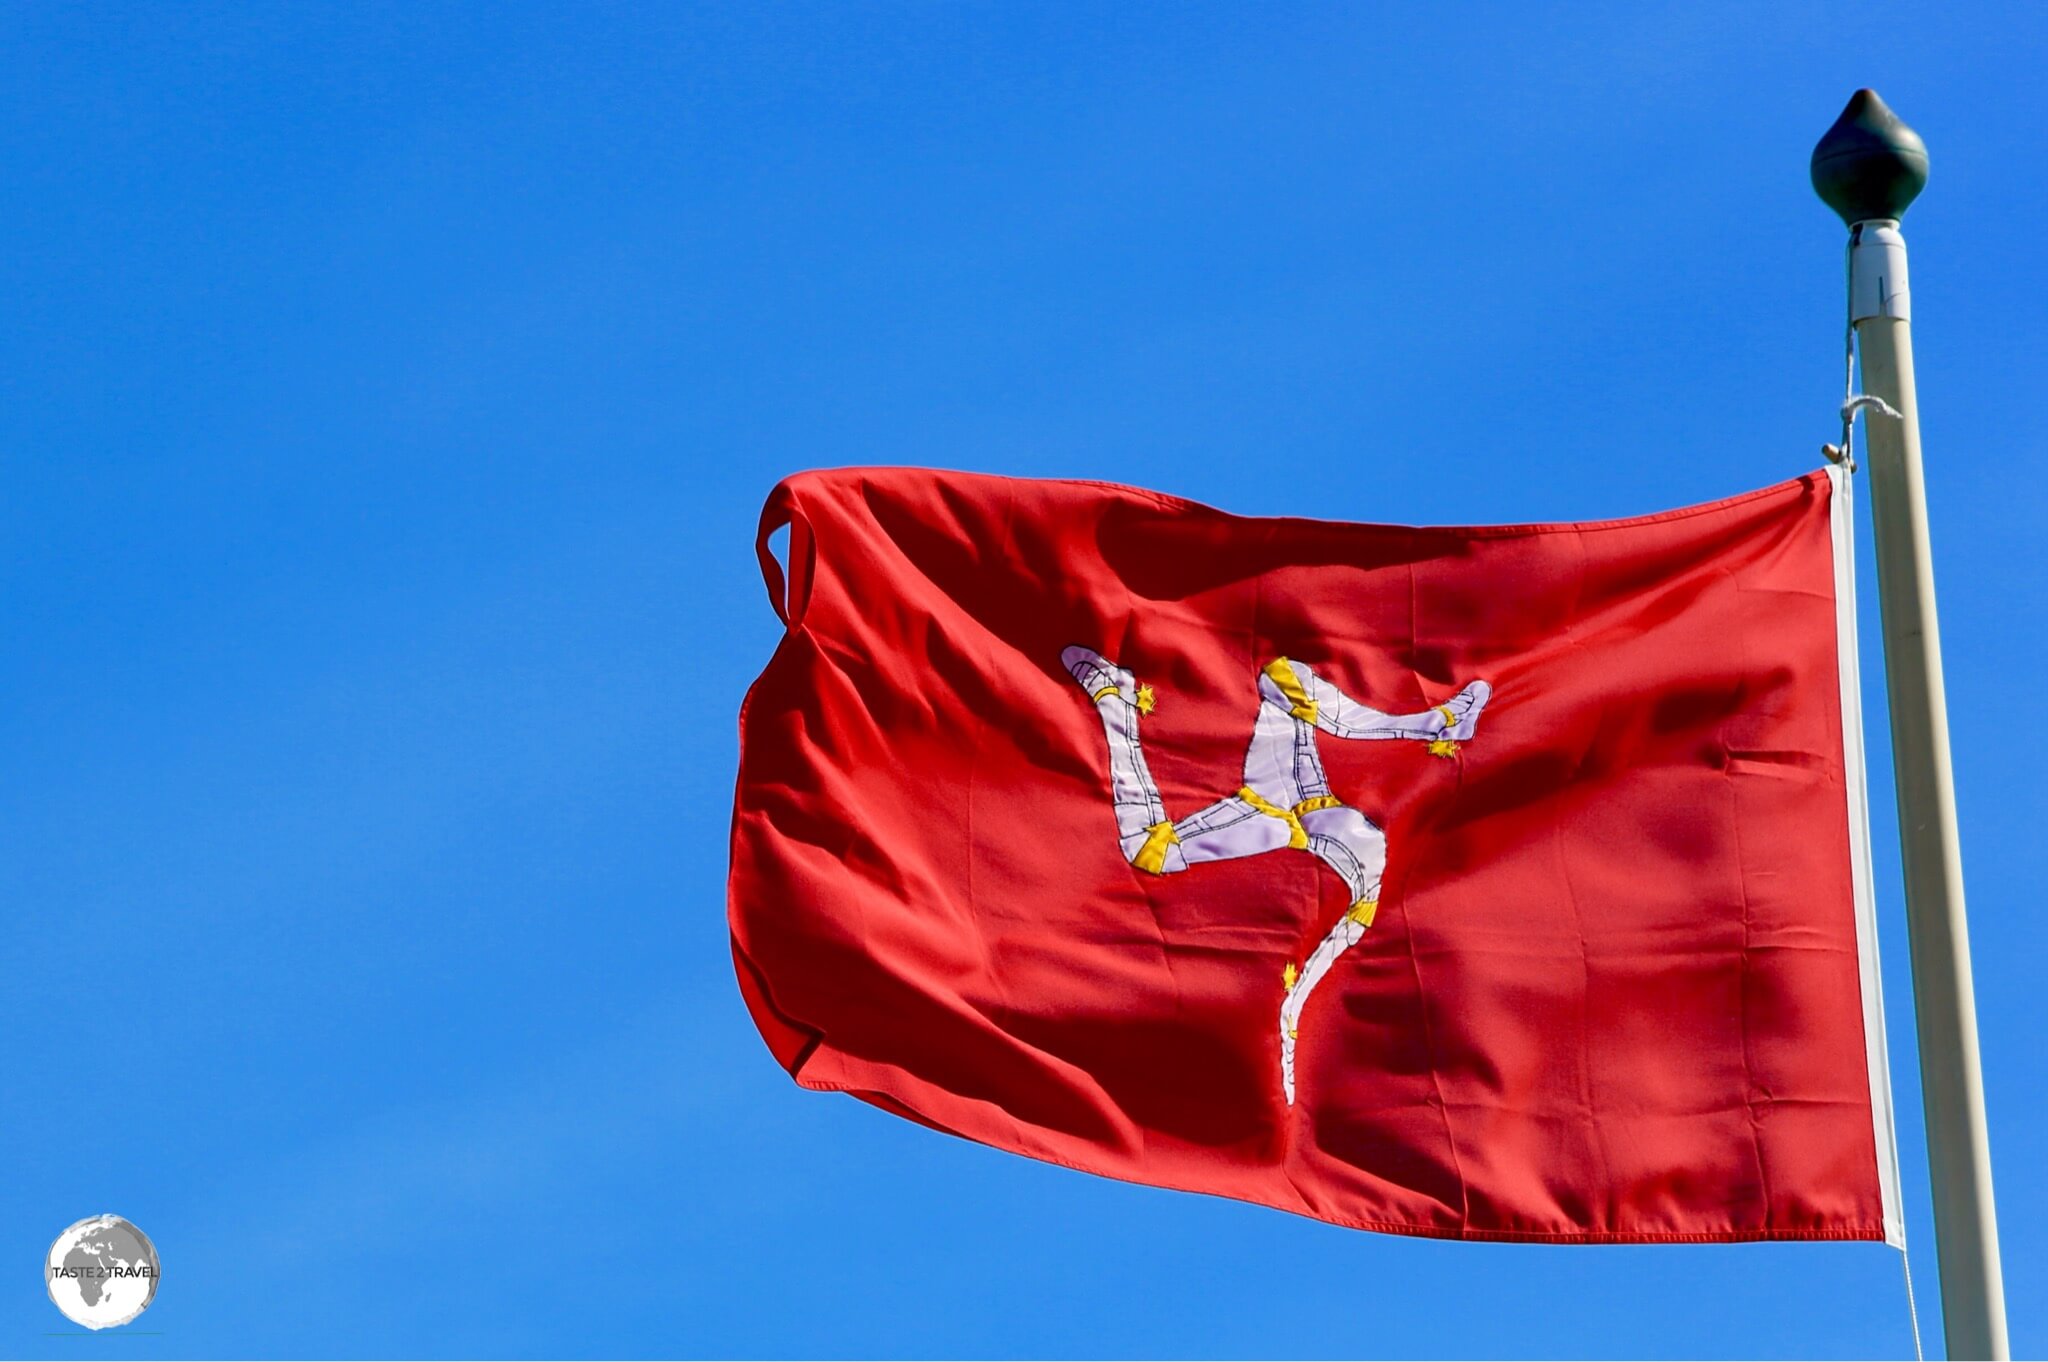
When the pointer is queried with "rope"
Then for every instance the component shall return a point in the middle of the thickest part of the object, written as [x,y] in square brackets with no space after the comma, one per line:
[1846,451]
[1912,1310]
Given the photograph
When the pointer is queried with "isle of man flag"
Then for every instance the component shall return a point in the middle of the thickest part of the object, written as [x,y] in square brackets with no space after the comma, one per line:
[1490,883]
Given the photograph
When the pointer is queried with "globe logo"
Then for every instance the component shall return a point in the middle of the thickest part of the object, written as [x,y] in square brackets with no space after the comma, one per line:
[102,1272]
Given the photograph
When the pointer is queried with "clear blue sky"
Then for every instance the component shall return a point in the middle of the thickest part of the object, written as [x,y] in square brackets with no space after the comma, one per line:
[389,394]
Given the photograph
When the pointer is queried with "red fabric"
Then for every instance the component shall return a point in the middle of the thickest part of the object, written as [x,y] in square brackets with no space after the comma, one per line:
[1611,993]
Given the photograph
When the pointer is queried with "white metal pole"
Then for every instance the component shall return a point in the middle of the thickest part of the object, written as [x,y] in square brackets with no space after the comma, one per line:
[1868,168]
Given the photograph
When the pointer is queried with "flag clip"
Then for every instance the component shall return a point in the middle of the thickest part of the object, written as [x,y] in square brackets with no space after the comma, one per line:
[1845,452]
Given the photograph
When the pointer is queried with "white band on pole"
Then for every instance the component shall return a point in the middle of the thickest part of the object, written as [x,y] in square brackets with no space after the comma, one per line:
[1877,272]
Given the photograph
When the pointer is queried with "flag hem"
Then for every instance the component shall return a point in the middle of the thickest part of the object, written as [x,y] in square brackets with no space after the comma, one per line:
[1806,481]
[895,1105]
[1884,1123]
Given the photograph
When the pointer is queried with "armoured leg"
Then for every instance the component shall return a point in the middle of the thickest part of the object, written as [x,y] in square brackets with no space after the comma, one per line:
[1464,710]
[1349,843]
[1223,831]
[1457,718]
[1281,761]
[1231,828]
[1131,788]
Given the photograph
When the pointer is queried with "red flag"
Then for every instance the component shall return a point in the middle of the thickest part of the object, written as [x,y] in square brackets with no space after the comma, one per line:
[1494,883]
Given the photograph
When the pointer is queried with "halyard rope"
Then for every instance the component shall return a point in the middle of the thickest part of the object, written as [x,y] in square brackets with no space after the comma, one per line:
[1912,1310]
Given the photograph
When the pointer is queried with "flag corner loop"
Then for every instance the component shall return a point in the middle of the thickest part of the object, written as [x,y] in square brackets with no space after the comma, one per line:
[786,596]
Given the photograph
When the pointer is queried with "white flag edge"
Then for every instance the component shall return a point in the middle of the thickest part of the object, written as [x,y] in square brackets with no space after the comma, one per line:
[1884,1125]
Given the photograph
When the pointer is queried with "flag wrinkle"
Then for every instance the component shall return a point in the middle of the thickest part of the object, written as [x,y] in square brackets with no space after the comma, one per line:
[1588,1104]
[1751,1085]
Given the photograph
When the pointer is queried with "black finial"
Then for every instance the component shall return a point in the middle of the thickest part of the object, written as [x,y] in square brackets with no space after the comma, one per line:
[1870,164]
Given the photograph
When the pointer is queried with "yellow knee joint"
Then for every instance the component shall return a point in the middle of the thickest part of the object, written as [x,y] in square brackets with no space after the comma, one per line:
[1151,857]
[1281,672]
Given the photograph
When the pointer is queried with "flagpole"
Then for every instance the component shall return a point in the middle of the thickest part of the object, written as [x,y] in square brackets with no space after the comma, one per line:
[1868,168]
